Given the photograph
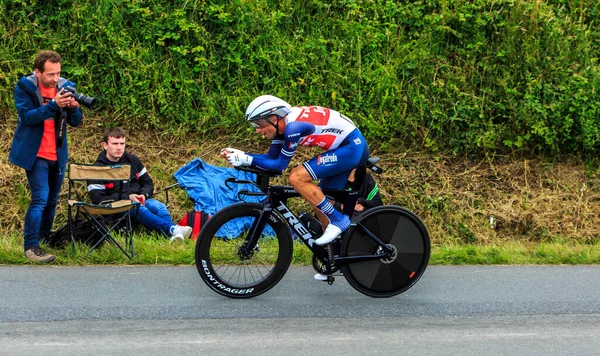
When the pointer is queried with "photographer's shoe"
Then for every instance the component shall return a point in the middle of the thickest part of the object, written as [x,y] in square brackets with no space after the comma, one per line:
[36,254]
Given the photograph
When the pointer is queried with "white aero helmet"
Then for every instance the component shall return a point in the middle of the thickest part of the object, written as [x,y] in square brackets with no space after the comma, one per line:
[265,106]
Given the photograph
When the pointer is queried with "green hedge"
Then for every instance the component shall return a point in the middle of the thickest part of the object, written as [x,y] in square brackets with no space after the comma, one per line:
[460,75]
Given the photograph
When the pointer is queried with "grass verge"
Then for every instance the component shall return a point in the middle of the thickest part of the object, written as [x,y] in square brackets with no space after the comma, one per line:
[152,249]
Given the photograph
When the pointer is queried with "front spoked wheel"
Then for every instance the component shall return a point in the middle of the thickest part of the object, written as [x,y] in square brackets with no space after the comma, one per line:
[231,269]
[400,230]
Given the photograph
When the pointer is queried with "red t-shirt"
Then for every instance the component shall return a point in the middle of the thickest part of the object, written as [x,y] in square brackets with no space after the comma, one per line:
[48,146]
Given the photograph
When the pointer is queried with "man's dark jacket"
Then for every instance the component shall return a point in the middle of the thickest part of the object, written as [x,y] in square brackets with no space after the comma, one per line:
[140,181]
[368,197]
[30,127]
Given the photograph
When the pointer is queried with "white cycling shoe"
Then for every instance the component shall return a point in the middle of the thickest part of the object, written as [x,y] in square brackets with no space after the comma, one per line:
[331,233]
[323,277]
[320,277]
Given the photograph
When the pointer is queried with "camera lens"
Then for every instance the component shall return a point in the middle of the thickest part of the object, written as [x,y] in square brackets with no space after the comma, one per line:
[86,101]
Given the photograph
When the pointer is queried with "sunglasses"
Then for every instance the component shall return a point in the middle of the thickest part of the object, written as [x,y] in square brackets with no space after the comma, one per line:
[258,124]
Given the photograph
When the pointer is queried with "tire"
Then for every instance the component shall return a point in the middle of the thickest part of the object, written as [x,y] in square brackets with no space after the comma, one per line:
[399,228]
[230,275]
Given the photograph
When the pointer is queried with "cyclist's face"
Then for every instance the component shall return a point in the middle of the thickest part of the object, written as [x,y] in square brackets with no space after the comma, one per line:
[265,127]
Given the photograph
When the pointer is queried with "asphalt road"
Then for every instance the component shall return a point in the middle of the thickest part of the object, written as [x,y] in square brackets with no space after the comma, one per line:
[470,310]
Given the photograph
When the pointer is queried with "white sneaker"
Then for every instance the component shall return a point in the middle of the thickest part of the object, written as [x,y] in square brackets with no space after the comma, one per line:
[180,232]
[330,234]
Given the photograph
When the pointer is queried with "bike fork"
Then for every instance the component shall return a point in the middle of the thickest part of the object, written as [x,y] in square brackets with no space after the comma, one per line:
[255,231]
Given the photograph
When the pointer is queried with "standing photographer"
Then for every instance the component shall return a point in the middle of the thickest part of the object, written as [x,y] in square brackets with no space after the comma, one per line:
[40,144]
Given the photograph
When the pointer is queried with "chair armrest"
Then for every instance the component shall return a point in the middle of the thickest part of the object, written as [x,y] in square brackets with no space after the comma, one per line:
[166,190]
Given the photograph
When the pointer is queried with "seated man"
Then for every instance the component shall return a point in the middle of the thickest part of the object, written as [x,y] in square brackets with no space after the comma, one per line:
[368,197]
[152,213]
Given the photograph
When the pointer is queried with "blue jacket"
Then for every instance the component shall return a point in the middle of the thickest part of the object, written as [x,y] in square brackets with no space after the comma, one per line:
[205,185]
[30,127]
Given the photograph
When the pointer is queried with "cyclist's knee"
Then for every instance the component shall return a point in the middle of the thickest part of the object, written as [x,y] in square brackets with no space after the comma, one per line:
[299,175]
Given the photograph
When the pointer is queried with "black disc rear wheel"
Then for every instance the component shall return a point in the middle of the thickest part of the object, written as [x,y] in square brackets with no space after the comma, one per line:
[404,233]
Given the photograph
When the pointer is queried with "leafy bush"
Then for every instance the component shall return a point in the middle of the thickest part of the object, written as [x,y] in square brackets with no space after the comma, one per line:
[452,75]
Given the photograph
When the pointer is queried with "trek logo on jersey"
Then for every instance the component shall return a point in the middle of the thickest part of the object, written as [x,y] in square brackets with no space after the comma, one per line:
[326,159]
[316,115]
[332,130]
[314,110]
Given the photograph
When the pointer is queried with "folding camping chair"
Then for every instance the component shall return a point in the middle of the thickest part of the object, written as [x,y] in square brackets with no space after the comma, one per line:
[106,217]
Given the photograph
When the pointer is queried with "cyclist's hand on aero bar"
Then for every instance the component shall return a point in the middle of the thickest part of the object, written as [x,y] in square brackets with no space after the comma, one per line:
[226,151]
[236,157]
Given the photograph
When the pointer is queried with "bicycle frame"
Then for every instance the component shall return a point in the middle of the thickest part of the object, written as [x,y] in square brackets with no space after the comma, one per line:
[276,198]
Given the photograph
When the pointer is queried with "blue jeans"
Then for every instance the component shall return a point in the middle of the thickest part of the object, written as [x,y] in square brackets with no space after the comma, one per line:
[45,179]
[155,216]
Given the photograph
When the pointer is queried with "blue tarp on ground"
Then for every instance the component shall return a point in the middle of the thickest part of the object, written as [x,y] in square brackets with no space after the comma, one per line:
[205,185]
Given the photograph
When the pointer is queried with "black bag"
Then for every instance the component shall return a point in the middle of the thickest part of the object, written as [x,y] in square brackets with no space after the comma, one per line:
[84,231]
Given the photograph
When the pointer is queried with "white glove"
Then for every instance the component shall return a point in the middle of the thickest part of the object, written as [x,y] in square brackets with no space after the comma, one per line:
[231,150]
[239,158]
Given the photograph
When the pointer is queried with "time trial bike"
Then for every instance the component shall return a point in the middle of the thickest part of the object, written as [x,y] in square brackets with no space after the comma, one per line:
[383,253]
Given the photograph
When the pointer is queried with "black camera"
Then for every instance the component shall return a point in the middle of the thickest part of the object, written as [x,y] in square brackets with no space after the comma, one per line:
[86,101]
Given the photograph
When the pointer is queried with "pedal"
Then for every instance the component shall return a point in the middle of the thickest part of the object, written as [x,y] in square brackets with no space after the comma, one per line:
[330,280]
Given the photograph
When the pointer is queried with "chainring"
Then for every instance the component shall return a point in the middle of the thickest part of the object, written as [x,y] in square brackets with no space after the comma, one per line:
[320,267]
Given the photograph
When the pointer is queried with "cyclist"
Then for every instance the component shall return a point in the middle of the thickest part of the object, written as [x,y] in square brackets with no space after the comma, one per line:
[289,127]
